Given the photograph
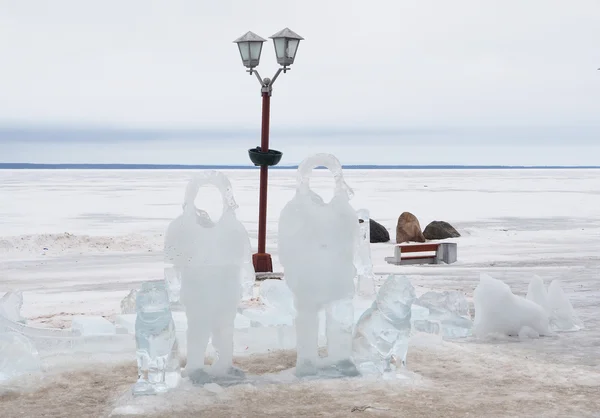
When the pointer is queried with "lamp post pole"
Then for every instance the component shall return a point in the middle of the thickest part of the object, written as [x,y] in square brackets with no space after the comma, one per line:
[250,45]
[262,260]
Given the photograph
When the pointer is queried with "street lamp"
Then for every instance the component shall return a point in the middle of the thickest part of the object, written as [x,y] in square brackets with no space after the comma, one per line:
[250,45]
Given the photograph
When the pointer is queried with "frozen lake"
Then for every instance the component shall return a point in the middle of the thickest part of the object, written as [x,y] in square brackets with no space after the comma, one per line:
[76,242]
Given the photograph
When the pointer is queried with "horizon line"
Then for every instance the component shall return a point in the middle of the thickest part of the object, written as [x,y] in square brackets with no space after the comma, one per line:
[141,166]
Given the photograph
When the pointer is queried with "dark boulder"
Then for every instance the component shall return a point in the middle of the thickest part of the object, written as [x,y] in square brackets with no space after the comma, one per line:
[378,232]
[440,230]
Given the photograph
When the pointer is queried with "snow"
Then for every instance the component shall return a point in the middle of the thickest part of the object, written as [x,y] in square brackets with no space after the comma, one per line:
[77,241]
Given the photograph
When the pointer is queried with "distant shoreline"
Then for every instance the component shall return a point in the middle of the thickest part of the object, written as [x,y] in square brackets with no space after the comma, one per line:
[35,166]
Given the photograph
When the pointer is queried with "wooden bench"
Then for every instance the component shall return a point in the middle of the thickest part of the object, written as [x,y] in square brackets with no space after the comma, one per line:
[443,252]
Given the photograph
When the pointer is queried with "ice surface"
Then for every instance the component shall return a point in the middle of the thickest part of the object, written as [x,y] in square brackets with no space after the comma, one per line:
[10,306]
[382,332]
[18,356]
[365,279]
[536,292]
[317,246]
[92,325]
[562,314]
[210,256]
[128,302]
[155,339]
[499,311]
[450,309]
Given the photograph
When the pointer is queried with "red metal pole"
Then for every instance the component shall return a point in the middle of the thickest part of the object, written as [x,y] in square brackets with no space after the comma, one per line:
[262,261]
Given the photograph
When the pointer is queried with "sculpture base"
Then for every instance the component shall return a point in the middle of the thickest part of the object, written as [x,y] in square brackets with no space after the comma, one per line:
[262,263]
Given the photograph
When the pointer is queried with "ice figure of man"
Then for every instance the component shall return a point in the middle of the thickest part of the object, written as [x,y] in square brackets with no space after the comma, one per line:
[317,245]
[210,256]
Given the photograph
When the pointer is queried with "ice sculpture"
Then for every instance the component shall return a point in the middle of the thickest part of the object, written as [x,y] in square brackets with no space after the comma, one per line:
[365,282]
[173,282]
[277,295]
[10,306]
[562,314]
[383,330]
[536,292]
[155,338]
[210,256]
[317,245]
[499,311]
[128,302]
[18,356]
[450,309]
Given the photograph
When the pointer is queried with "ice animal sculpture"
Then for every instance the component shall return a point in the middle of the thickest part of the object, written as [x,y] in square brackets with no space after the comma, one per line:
[128,302]
[555,303]
[317,245]
[211,257]
[157,354]
[536,292]
[450,309]
[365,281]
[499,311]
[18,356]
[383,330]
[10,306]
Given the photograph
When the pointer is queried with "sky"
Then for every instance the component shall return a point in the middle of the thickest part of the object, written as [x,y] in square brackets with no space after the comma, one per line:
[423,81]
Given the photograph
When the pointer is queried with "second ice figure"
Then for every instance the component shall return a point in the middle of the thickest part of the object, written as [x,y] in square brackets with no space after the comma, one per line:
[209,255]
[317,244]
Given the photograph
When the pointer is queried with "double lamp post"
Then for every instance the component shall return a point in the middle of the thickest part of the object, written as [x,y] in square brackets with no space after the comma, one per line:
[250,45]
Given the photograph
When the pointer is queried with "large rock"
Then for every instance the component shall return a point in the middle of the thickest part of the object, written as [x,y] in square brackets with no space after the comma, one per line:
[440,230]
[378,232]
[408,229]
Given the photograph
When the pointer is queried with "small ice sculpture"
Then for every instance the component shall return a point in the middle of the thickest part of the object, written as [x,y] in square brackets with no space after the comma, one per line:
[562,314]
[210,256]
[18,357]
[450,309]
[277,295]
[173,281]
[128,302]
[536,292]
[10,306]
[499,311]
[317,245]
[383,330]
[365,282]
[157,355]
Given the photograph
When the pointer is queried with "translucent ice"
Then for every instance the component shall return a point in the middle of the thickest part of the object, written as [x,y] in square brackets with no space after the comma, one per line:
[210,256]
[10,306]
[173,281]
[92,325]
[128,302]
[277,295]
[450,309]
[562,314]
[383,331]
[536,292]
[248,279]
[18,356]
[155,339]
[498,310]
[365,279]
[317,245]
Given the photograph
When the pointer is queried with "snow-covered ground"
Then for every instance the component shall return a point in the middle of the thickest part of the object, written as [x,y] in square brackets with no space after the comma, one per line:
[76,242]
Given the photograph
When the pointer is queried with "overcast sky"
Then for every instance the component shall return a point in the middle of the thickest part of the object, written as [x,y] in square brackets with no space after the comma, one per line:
[364,64]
